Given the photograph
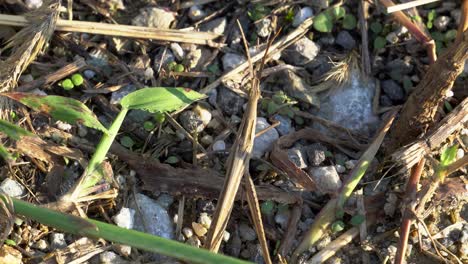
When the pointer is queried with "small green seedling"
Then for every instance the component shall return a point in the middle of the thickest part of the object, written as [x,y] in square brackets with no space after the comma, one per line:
[379,43]
[258,12]
[172,160]
[289,17]
[67,84]
[349,22]
[357,219]
[159,117]
[77,79]
[337,226]
[376,27]
[179,68]
[267,207]
[148,125]
[430,18]
[338,12]
[323,22]
[127,142]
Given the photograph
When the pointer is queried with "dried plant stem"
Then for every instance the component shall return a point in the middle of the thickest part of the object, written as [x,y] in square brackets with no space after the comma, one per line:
[278,46]
[463,22]
[417,114]
[365,57]
[415,30]
[408,5]
[410,196]
[201,38]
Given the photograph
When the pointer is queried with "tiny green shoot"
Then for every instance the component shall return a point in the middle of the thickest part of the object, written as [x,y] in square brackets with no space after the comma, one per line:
[77,79]
[67,84]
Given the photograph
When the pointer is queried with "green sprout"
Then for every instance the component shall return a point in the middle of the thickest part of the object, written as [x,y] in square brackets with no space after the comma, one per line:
[67,84]
[77,79]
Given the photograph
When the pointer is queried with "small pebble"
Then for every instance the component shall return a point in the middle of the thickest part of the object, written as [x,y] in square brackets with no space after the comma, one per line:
[177,50]
[297,156]
[302,15]
[89,74]
[205,220]
[195,13]
[125,218]
[206,140]
[442,22]
[193,241]
[57,241]
[285,126]
[460,153]
[63,126]
[326,178]
[33,4]
[165,200]
[187,231]
[350,164]
[231,60]
[246,232]
[219,145]
[392,38]
[109,257]
[199,229]
[339,168]
[12,188]
[263,27]
[41,244]
[154,17]
[226,236]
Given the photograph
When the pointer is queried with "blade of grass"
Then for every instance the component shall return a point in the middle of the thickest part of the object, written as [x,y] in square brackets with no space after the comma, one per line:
[96,229]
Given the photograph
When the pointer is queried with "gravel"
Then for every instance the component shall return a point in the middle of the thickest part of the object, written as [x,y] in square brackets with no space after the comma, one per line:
[326,178]
[246,232]
[285,126]
[231,60]
[301,52]
[393,90]
[12,188]
[230,102]
[264,142]
[302,15]
[217,26]
[345,40]
[125,218]
[297,156]
[154,17]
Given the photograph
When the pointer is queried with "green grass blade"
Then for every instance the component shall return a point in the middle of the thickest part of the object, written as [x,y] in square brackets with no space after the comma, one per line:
[13,131]
[96,229]
[160,99]
[5,154]
[61,108]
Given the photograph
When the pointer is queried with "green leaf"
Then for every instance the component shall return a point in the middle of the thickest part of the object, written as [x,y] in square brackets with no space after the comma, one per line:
[127,142]
[437,36]
[357,219]
[5,154]
[379,42]
[267,207]
[349,22]
[272,107]
[337,226]
[323,22]
[172,160]
[148,125]
[338,12]
[376,27]
[13,131]
[448,106]
[160,99]
[431,15]
[159,117]
[299,120]
[61,108]
[450,35]
[448,156]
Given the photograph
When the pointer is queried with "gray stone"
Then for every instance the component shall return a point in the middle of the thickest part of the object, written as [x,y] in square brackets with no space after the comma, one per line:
[327,40]
[284,127]
[33,4]
[340,168]
[151,217]
[302,15]
[282,218]
[345,40]
[162,58]
[216,26]
[12,188]
[351,105]
[326,178]
[316,154]
[442,22]
[246,232]
[57,241]
[212,97]
[402,66]
[385,100]
[121,93]
[219,145]
[177,51]
[230,102]
[195,13]
[456,15]
[125,218]
[392,38]
[187,231]
[263,27]
[194,241]
[264,142]
[231,60]
[165,200]
[41,245]
[350,164]
[109,257]
[191,122]
[297,156]
[89,74]
[393,90]
[154,17]
[301,52]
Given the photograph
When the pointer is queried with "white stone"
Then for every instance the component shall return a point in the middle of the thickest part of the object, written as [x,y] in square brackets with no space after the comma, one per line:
[297,157]
[57,241]
[195,13]
[231,60]
[12,188]
[204,114]
[154,17]
[392,38]
[109,257]
[263,27]
[226,236]
[125,218]
[187,231]
[326,178]
[33,4]
[302,15]
[205,220]
[177,50]
[442,22]
[63,126]
[350,164]
[339,168]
